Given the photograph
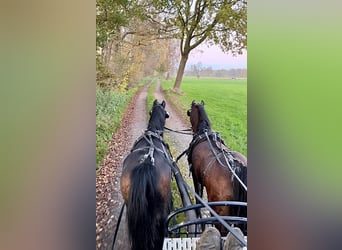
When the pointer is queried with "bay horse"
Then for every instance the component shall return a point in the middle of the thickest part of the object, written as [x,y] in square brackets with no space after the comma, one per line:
[212,165]
[146,184]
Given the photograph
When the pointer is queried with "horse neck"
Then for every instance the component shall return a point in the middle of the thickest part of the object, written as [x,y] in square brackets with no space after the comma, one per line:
[156,124]
[155,129]
[204,123]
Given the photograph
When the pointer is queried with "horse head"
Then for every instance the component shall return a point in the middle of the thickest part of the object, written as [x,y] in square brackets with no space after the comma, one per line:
[198,117]
[158,115]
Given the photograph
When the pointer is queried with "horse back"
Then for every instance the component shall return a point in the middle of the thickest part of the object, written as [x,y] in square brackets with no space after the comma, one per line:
[208,171]
[134,160]
[199,159]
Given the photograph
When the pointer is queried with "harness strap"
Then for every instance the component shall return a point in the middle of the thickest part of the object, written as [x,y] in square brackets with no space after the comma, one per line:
[227,161]
[181,155]
[147,136]
[198,138]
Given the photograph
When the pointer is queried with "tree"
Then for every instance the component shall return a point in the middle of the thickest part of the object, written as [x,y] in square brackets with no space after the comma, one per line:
[127,44]
[196,69]
[221,22]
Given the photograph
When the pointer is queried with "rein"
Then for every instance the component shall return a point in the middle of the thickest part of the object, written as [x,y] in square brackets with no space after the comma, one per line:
[117,225]
[182,131]
[181,155]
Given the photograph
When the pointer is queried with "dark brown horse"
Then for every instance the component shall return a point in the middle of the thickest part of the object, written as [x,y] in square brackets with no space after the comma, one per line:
[145,184]
[221,171]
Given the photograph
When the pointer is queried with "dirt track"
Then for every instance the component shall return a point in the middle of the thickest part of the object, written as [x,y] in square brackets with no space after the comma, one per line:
[108,197]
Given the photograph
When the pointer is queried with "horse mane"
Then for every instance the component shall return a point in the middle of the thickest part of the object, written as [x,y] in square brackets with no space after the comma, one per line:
[205,123]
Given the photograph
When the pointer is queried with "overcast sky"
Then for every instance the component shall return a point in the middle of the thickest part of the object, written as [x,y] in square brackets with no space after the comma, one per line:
[214,57]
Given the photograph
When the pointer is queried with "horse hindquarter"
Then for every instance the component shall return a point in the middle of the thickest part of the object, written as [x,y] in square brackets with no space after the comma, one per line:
[145,209]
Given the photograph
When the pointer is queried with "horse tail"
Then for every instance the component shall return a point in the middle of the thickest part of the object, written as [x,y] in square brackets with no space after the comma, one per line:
[145,224]
[240,194]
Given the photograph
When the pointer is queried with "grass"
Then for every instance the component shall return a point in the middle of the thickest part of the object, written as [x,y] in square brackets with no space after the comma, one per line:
[225,103]
[109,110]
[110,107]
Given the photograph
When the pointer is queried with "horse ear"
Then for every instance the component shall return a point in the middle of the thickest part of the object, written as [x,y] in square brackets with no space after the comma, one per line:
[155,102]
[193,102]
[202,102]
[163,103]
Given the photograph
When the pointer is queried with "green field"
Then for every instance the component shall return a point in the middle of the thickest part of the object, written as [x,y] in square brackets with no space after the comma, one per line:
[225,103]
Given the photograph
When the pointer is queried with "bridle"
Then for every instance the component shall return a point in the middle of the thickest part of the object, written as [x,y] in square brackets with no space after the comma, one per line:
[159,106]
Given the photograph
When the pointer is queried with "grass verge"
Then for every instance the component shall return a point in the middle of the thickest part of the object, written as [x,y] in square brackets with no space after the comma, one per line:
[110,107]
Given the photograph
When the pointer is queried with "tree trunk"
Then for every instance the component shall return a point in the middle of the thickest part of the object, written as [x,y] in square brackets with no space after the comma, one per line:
[180,71]
[107,52]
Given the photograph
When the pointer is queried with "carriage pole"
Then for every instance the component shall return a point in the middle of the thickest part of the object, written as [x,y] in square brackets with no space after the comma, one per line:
[184,195]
